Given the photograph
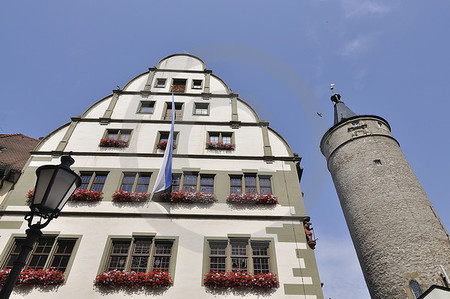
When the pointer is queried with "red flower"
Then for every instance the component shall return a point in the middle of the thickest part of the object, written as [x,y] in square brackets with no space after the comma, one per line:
[125,196]
[86,195]
[163,144]
[35,277]
[109,142]
[220,146]
[241,279]
[29,196]
[130,279]
[249,198]
[190,197]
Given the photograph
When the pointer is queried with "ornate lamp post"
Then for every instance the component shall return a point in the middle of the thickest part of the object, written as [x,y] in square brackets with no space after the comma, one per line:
[54,185]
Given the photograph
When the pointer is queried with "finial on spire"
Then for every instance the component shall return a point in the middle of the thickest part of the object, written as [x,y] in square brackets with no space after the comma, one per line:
[332,87]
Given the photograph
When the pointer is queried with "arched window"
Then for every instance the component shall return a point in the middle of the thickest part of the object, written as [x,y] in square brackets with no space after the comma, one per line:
[415,288]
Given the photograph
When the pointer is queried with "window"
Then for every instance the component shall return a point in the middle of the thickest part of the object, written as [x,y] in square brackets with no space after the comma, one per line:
[135,182]
[207,184]
[176,180]
[235,184]
[265,185]
[178,111]
[223,137]
[140,254]
[146,107]
[250,185]
[164,137]
[240,254]
[48,252]
[190,182]
[217,256]
[377,162]
[160,83]
[121,134]
[197,84]
[92,180]
[179,85]
[201,109]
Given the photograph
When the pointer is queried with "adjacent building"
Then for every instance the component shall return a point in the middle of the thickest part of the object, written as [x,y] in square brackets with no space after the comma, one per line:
[14,153]
[237,204]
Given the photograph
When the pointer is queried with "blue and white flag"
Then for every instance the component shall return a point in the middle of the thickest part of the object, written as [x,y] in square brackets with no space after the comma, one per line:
[164,179]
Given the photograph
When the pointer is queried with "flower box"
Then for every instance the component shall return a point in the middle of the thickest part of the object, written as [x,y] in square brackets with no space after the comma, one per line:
[249,199]
[217,280]
[220,146]
[163,144]
[130,279]
[35,277]
[125,196]
[86,195]
[108,142]
[190,197]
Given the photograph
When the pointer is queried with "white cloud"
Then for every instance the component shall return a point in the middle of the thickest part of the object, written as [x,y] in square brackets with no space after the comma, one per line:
[355,46]
[339,269]
[356,8]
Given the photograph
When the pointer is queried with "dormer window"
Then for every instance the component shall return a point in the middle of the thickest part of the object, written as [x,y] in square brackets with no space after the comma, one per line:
[201,109]
[197,84]
[179,85]
[160,83]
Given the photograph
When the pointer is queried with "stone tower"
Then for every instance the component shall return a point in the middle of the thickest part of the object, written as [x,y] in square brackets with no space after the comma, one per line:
[399,239]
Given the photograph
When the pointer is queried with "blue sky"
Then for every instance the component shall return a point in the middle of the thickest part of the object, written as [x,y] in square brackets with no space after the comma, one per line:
[388,58]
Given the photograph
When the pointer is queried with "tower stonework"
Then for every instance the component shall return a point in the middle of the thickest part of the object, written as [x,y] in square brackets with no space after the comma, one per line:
[398,236]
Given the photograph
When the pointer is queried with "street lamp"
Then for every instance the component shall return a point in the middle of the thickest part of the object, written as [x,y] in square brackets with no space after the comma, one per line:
[54,185]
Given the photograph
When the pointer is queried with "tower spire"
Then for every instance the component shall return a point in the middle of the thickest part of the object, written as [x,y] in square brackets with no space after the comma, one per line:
[341,111]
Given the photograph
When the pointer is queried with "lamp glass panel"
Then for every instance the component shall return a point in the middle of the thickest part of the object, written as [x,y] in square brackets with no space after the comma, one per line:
[43,180]
[63,182]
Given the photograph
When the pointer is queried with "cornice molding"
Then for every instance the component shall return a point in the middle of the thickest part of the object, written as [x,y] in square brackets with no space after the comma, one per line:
[118,153]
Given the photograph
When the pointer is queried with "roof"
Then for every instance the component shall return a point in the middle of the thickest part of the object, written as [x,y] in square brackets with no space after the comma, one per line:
[15,150]
[341,111]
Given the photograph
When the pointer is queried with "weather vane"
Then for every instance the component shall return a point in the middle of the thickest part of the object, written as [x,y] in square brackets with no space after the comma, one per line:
[332,87]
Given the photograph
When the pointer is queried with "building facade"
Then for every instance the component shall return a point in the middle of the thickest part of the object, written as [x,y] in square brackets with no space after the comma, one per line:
[221,148]
[402,245]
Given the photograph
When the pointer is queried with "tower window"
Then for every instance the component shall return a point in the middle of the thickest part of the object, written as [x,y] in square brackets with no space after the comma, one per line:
[377,162]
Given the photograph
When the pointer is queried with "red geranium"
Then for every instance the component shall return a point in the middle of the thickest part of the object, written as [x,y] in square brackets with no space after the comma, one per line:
[86,195]
[130,279]
[35,277]
[125,196]
[163,144]
[220,146]
[109,142]
[241,279]
[190,197]
[250,198]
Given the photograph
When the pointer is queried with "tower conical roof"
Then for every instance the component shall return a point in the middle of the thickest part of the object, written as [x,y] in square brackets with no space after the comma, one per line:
[341,111]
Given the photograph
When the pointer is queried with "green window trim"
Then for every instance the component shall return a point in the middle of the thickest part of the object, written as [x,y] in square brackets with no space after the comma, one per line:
[173,240]
[58,239]
[251,243]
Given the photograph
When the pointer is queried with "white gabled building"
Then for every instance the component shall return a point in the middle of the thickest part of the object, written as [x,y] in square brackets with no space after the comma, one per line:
[186,239]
